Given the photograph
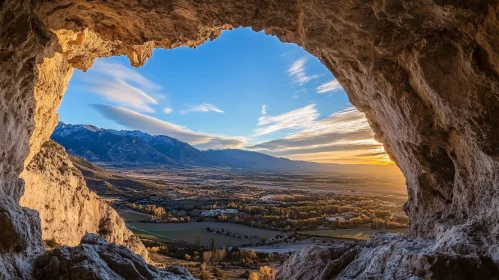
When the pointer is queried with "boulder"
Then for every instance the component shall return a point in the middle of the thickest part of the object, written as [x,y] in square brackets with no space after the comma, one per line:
[318,262]
[95,259]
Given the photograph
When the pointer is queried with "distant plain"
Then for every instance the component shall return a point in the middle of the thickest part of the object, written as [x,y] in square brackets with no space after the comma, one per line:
[188,232]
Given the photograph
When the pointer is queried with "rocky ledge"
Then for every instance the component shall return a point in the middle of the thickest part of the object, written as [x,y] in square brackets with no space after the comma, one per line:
[319,262]
[95,258]
[67,208]
[386,256]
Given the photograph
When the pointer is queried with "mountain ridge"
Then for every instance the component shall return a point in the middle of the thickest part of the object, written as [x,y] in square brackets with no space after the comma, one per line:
[129,148]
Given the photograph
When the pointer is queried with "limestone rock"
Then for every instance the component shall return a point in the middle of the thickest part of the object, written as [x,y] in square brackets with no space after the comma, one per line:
[318,262]
[95,258]
[20,239]
[389,256]
[386,256]
[67,208]
[425,73]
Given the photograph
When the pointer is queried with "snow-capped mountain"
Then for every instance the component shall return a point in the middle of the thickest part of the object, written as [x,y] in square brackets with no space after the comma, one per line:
[126,148]
[107,146]
[135,148]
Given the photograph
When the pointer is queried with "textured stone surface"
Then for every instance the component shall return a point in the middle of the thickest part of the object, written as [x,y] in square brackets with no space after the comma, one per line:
[388,256]
[318,262]
[67,208]
[95,259]
[425,72]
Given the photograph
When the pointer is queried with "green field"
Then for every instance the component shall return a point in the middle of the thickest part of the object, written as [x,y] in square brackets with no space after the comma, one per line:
[188,231]
[357,234]
[133,216]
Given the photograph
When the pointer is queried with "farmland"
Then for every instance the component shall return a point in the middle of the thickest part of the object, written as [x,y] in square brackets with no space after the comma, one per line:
[354,233]
[134,216]
[188,232]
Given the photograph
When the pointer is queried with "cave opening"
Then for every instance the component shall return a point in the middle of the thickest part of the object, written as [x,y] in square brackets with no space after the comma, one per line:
[242,95]
[410,67]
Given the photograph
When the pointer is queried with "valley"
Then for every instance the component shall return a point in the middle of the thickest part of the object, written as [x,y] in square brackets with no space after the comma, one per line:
[187,211]
[180,213]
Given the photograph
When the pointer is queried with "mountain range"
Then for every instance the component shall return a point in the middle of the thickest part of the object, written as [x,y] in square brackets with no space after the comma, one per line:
[126,148]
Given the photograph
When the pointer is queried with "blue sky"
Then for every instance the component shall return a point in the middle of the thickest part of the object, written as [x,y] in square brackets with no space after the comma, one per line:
[243,90]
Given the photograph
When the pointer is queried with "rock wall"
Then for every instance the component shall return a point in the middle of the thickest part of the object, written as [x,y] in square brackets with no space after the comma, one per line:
[425,73]
[385,256]
[389,256]
[67,208]
[95,258]
[20,234]
[319,262]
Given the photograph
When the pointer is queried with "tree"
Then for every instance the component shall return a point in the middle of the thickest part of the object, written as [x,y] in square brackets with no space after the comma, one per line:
[198,242]
[247,256]
[154,249]
[207,256]
[219,255]
[265,271]
[254,276]
[204,274]
[217,273]
[382,213]
[402,219]
[212,243]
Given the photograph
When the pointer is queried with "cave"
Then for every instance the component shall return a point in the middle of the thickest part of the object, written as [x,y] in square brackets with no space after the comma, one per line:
[425,73]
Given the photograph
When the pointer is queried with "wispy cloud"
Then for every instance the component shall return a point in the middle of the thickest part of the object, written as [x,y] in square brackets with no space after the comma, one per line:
[121,72]
[344,134]
[299,141]
[264,109]
[135,120]
[335,148]
[297,72]
[297,93]
[122,86]
[203,108]
[167,110]
[330,86]
[299,118]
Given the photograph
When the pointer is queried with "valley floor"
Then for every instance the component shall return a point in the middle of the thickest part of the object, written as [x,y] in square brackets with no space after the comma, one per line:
[236,222]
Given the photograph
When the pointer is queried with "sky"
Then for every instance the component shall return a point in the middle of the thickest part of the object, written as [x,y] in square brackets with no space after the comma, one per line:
[244,90]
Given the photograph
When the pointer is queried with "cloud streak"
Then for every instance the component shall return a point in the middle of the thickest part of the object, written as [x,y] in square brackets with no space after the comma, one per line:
[327,148]
[120,72]
[202,108]
[297,72]
[311,140]
[167,110]
[344,134]
[299,118]
[135,120]
[121,85]
[330,86]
